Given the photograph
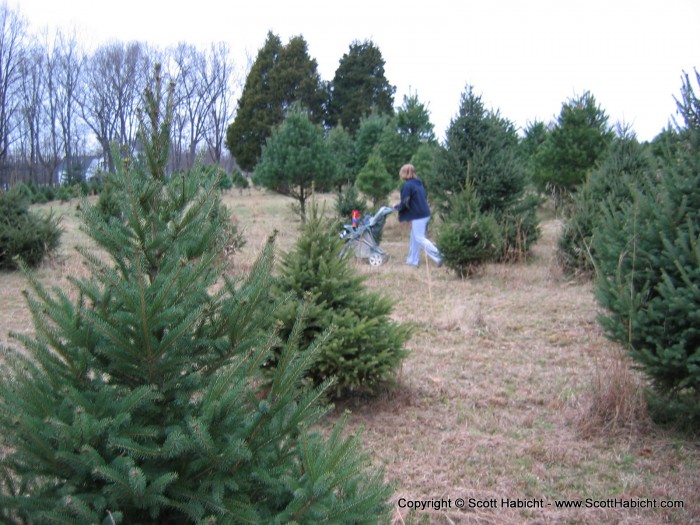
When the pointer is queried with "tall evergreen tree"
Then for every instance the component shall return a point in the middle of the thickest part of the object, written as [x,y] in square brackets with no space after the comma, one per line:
[359,87]
[143,400]
[280,76]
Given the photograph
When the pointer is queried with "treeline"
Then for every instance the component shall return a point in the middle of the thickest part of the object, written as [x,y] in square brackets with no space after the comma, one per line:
[60,104]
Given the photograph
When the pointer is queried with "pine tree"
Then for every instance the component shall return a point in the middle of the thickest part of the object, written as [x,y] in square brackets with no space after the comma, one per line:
[365,347]
[467,237]
[296,160]
[648,259]
[485,145]
[359,88]
[143,400]
[375,181]
[609,184]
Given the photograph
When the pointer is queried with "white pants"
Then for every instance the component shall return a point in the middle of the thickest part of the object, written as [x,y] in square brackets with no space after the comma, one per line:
[418,241]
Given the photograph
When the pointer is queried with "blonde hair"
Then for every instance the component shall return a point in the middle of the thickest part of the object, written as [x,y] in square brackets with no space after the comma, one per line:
[407,171]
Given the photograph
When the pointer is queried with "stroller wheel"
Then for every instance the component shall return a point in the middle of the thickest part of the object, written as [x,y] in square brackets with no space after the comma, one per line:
[376,259]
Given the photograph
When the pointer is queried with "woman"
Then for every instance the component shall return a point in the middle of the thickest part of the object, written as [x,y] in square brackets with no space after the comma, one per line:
[414,208]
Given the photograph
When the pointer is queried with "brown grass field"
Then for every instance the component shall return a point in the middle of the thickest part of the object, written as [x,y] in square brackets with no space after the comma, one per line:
[511,392]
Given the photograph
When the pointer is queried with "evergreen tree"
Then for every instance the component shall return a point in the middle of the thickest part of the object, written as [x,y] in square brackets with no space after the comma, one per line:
[359,87]
[342,148]
[648,259]
[365,347]
[467,237]
[368,137]
[24,235]
[143,400]
[256,114]
[424,160]
[296,159]
[405,133]
[530,145]
[280,76]
[611,184]
[485,146]
[375,181]
[580,137]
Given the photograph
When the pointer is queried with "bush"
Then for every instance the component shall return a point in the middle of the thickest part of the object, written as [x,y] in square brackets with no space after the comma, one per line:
[108,203]
[24,235]
[467,237]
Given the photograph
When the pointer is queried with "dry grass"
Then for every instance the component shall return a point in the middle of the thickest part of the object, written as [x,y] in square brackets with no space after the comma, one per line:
[510,391]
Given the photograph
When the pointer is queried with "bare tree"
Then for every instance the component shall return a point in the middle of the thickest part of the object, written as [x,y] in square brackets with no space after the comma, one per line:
[222,111]
[31,98]
[64,67]
[195,94]
[114,78]
[12,34]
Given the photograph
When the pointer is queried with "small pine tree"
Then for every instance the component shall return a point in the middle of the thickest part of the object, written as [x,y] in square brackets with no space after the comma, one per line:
[467,237]
[24,235]
[375,181]
[143,400]
[365,347]
[348,199]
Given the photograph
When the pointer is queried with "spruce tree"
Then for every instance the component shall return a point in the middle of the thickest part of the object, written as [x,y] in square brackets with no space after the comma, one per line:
[143,400]
[375,181]
[609,184]
[365,347]
[648,259]
[468,238]
[484,146]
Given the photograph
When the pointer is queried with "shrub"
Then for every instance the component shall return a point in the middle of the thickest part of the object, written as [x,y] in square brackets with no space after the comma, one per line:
[24,235]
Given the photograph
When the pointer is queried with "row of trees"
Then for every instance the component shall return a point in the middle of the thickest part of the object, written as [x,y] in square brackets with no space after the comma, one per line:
[282,75]
[632,225]
[59,102]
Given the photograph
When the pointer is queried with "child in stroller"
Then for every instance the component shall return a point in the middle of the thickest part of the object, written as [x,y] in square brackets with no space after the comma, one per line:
[362,239]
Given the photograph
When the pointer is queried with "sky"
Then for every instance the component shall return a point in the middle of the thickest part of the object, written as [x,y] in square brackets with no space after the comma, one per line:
[525,58]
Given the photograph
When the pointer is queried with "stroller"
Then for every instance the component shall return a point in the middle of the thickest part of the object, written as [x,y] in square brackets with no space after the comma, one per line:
[363,237]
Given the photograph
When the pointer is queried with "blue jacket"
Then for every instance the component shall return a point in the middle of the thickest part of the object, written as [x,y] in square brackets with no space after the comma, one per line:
[414,202]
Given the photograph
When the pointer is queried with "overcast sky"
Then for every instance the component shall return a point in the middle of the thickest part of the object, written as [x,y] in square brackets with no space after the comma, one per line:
[524,57]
